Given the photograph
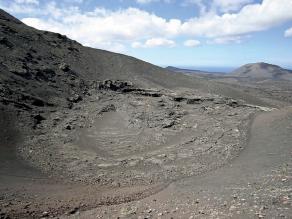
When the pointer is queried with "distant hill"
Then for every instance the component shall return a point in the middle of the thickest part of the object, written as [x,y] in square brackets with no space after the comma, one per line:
[263,71]
[182,70]
[191,71]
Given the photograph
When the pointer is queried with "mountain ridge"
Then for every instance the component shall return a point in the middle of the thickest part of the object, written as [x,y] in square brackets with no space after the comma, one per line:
[262,70]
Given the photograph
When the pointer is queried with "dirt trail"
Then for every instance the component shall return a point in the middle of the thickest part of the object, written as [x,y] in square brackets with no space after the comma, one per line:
[257,184]
[270,144]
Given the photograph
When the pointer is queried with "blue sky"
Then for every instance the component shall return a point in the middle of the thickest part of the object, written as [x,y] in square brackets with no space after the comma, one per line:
[193,33]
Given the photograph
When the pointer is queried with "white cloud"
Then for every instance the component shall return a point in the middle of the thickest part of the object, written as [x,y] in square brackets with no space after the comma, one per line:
[251,18]
[99,26]
[192,43]
[212,6]
[20,9]
[36,2]
[230,5]
[154,42]
[288,32]
[226,40]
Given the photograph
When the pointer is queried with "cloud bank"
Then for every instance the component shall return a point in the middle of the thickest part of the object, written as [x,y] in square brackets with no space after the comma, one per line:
[116,29]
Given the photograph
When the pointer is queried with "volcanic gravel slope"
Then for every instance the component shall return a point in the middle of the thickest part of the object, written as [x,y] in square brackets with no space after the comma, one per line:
[84,127]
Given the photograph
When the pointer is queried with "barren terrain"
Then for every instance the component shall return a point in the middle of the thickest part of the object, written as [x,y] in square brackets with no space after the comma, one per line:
[91,134]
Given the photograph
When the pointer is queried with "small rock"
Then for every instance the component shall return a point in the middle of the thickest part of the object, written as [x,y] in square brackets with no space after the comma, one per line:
[64,67]
[232,207]
[175,210]
[149,210]
[4,41]
[232,103]
[73,211]
[194,101]
[108,108]
[126,211]
[45,214]
[75,99]
[68,127]
[26,206]
[38,102]
[168,124]
[179,99]
[38,119]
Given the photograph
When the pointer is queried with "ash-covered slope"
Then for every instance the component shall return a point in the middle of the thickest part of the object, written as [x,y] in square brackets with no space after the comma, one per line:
[263,71]
[50,66]
[41,68]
